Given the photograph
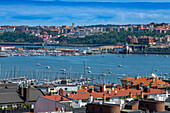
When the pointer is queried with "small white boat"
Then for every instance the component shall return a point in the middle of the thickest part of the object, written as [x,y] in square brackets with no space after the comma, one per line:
[62,69]
[166,55]
[88,67]
[119,77]
[119,65]
[38,64]
[103,74]
[165,73]
[123,56]
[156,69]
[110,72]
[89,71]
[47,67]
[3,55]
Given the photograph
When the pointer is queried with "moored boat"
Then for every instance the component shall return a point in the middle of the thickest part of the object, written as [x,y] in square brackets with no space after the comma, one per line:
[3,55]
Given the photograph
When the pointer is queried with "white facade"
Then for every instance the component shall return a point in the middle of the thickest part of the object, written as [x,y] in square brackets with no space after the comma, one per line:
[67,88]
[4,48]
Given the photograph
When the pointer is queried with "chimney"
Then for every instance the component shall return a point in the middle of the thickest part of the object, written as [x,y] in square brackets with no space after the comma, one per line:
[147,90]
[118,86]
[91,90]
[26,94]
[108,92]
[130,94]
[101,88]
[62,98]
[141,95]
[136,95]
[127,87]
[61,92]
[104,97]
[20,91]
[138,87]
[166,92]
[84,86]
[153,80]
[136,77]
[91,98]
[67,95]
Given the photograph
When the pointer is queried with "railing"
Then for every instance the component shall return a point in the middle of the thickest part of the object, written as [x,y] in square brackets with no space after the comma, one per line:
[20,110]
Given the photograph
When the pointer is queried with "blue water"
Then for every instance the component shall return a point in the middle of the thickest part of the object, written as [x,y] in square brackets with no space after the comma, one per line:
[132,65]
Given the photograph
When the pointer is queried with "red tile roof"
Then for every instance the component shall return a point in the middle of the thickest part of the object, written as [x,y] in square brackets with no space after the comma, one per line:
[155,82]
[100,94]
[128,78]
[118,47]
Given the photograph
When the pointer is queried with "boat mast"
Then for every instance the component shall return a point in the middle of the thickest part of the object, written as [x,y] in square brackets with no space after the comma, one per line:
[84,69]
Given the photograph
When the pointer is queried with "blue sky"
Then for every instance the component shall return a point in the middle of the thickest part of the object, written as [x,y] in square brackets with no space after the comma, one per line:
[83,12]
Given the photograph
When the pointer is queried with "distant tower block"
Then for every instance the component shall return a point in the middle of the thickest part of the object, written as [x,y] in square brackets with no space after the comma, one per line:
[72,24]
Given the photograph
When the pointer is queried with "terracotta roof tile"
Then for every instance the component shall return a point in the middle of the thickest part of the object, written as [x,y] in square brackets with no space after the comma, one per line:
[128,78]
[100,94]
[145,81]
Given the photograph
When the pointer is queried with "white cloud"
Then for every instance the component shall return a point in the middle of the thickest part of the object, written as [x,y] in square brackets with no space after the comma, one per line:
[34,14]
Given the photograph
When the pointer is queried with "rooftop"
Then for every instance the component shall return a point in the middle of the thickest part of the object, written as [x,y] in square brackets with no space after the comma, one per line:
[146,81]
[118,93]
[128,78]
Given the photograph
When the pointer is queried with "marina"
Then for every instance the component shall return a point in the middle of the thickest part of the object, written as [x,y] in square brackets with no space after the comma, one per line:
[88,67]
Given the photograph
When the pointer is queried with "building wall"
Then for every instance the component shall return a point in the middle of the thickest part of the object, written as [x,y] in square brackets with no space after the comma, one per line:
[46,105]
[97,108]
[133,107]
[152,106]
[67,88]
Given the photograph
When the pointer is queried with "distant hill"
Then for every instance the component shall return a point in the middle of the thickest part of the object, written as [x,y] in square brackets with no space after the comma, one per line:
[19,37]
[107,38]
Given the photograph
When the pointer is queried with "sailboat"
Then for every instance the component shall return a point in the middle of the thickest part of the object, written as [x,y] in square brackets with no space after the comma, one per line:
[38,64]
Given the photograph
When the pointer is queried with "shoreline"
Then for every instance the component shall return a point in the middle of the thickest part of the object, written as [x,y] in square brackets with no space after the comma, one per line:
[41,44]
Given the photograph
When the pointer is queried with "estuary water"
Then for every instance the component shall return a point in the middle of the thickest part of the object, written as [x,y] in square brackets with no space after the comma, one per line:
[132,65]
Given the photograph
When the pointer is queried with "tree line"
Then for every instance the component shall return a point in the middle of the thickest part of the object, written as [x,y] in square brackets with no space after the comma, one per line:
[112,37]
[19,37]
